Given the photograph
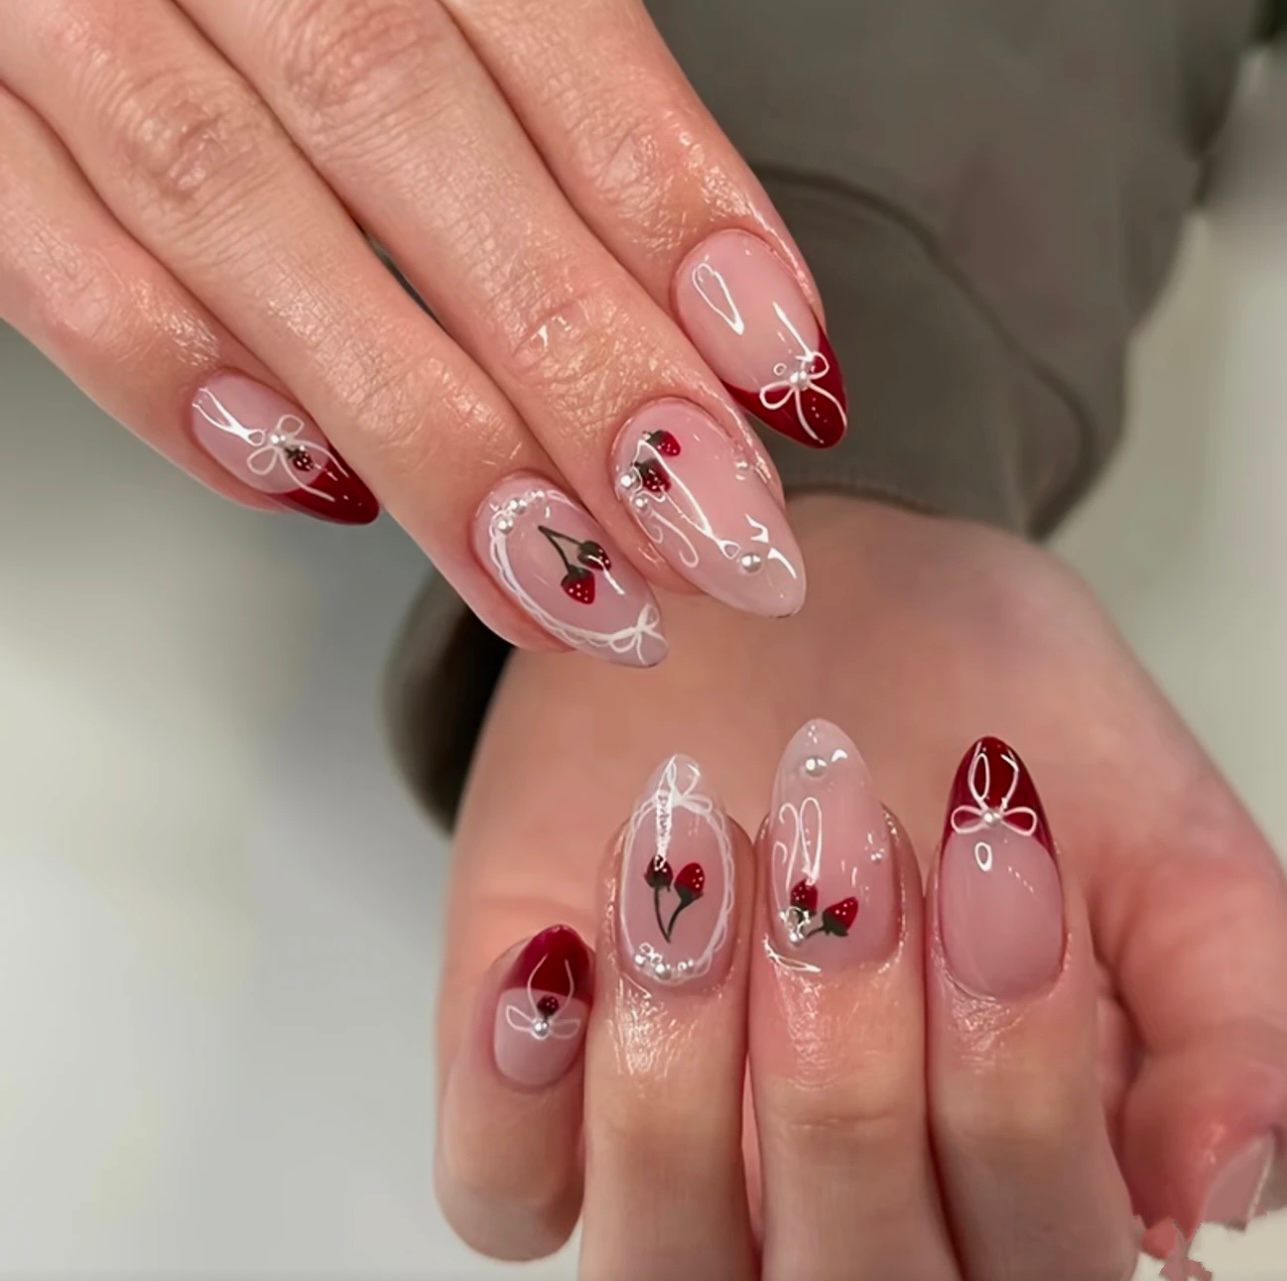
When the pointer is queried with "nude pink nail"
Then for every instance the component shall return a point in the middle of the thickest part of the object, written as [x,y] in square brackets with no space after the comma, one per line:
[834,884]
[745,312]
[707,510]
[1001,903]
[550,556]
[1234,1198]
[675,892]
[273,446]
[543,1007]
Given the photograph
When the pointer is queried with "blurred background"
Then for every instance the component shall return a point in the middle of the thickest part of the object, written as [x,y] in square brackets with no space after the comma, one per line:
[218,907]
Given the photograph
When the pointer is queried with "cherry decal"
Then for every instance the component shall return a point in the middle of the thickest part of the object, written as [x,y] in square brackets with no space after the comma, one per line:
[655,478]
[578,580]
[804,897]
[664,443]
[548,1006]
[801,917]
[839,917]
[686,888]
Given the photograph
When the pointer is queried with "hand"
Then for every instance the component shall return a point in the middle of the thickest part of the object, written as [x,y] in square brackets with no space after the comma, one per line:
[179,184]
[921,634]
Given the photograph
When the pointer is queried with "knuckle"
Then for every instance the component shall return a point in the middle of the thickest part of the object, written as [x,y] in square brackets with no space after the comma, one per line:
[1027,1123]
[338,54]
[185,143]
[831,1127]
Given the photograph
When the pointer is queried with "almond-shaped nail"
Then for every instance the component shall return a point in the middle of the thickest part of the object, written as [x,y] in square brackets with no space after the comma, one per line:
[745,312]
[1001,902]
[706,509]
[543,1008]
[551,557]
[676,886]
[834,886]
[272,445]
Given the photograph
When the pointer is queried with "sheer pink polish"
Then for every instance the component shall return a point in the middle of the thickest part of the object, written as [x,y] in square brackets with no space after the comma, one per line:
[833,879]
[543,1009]
[675,888]
[744,310]
[707,510]
[273,446]
[554,561]
[1001,903]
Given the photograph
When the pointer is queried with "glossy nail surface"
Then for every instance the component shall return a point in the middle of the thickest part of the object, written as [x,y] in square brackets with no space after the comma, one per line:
[550,556]
[744,310]
[1000,898]
[675,893]
[1236,1190]
[273,446]
[543,1007]
[706,509]
[834,887]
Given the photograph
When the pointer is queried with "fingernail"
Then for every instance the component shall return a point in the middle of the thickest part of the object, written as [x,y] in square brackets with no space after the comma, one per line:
[549,555]
[1234,1196]
[675,896]
[273,446]
[745,312]
[543,1007]
[833,878]
[707,510]
[1001,903]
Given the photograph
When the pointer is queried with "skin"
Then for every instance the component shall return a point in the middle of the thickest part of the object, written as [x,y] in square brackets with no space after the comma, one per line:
[920,635]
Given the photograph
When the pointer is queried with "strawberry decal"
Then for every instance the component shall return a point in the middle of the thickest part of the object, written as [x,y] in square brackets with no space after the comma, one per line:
[664,442]
[802,919]
[653,476]
[582,560]
[684,889]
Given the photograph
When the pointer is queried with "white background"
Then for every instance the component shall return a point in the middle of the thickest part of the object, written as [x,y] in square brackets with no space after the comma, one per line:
[218,908]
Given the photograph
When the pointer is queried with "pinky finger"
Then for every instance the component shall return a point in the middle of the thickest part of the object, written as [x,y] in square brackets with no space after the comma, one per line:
[508,1166]
[131,336]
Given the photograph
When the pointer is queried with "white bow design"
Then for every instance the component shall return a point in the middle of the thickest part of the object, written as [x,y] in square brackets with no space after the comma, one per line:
[979,817]
[542,1026]
[792,382]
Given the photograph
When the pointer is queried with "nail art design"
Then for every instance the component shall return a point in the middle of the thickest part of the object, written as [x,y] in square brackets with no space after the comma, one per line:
[707,510]
[674,927]
[556,562]
[748,316]
[1001,909]
[541,1016]
[833,877]
[273,446]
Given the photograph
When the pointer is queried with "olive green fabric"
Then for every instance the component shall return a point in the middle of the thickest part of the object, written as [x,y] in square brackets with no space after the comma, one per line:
[989,193]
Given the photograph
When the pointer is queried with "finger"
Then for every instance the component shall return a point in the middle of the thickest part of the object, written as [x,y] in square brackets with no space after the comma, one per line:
[666,191]
[1194,927]
[1029,1175]
[193,165]
[390,103]
[121,326]
[837,1033]
[508,1167]
[665,1186]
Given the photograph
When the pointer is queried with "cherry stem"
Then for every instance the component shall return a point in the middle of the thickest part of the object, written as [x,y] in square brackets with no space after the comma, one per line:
[556,540]
[670,928]
[656,907]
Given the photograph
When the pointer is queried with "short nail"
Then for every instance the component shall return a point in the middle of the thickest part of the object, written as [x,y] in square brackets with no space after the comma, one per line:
[543,1007]
[834,883]
[550,556]
[675,895]
[272,445]
[1234,1196]
[745,312]
[1001,903]
[707,510]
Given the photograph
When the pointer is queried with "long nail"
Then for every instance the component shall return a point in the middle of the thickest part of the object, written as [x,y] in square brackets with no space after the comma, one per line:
[1001,902]
[563,570]
[834,884]
[675,894]
[543,1007]
[707,510]
[1236,1190]
[273,446]
[746,313]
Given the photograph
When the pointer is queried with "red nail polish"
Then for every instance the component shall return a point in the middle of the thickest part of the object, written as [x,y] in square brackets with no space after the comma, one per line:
[273,446]
[993,789]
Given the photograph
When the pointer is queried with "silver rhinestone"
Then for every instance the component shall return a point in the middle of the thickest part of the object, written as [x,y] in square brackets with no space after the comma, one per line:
[541,1029]
[751,562]
[990,817]
[505,524]
[799,378]
[640,501]
[815,766]
[684,966]
[660,969]
[628,480]
[640,960]
[277,439]
[520,505]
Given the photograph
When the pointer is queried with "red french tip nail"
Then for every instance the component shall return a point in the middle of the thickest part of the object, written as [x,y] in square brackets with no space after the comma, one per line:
[814,411]
[554,961]
[335,494]
[994,788]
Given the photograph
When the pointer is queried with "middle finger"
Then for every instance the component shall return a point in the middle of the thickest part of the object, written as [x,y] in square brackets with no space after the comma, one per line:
[389,102]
